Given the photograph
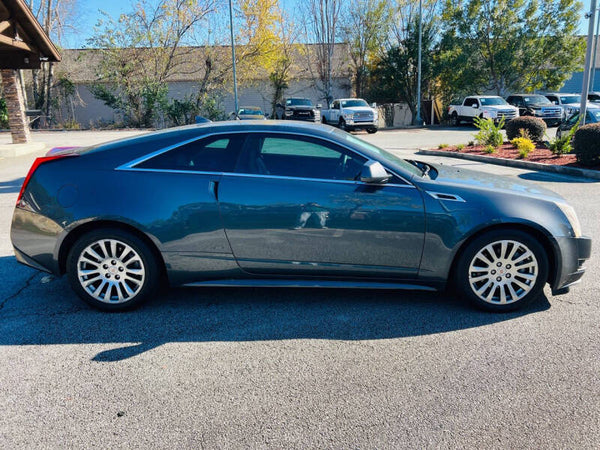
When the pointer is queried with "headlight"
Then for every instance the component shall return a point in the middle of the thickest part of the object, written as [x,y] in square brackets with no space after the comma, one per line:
[289,113]
[569,212]
[349,116]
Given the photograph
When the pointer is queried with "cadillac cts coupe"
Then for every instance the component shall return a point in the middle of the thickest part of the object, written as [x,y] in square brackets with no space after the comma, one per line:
[287,204]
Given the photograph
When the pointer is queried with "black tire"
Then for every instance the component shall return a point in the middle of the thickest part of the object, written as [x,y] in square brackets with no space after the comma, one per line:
[455,119]
[505,292]
[371,130]
[323,120]
[135,278]
[342,125]
[558,133]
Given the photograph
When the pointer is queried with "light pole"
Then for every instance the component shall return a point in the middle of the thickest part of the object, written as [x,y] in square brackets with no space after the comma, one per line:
[235,90]
[588,59]
[418,118]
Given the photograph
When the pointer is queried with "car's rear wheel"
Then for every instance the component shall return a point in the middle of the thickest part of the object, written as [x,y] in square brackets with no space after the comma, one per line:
[112,269]
[502,270]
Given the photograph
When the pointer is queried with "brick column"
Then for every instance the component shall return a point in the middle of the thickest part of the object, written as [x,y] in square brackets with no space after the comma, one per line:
[19,128]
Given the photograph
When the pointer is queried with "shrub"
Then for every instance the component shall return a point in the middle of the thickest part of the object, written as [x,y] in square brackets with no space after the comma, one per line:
[489,133]
[3,114]
[587,144]
[490,149]
[460,147]
[562,145]
[442,146]
[471,144]
[524,145]
[533,126]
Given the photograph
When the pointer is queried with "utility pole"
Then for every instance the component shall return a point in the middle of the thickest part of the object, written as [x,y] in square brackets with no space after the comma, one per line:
[235,89]
[595,53]
[588,59]
[418,118]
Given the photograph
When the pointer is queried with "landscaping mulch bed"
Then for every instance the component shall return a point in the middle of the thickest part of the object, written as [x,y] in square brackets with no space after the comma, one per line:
[540,155]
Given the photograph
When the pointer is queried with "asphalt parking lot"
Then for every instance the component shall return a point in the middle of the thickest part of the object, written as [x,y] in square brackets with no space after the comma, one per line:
[299,368]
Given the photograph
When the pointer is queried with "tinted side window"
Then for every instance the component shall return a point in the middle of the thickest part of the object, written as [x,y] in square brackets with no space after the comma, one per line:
[299,157]
[212,154]
[553,99]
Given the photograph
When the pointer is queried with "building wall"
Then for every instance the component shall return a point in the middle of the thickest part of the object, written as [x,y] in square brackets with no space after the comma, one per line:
[91,112]
[576,81]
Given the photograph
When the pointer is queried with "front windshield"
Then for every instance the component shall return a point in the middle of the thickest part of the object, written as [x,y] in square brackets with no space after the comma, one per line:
[488,101]
[298,102]
[385,155]
[570,99]
[536,100]
[352,103]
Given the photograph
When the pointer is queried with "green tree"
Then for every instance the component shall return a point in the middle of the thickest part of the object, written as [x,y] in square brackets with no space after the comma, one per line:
[395,74]
[508,45]
[140,51]
[366,26]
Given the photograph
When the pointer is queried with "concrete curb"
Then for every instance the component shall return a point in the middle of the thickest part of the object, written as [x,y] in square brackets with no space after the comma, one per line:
[572,171]
[11,150]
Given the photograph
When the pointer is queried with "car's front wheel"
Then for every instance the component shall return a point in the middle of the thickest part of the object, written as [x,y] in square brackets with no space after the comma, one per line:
[502,270]
[455,120]
[112,269]
[372,130]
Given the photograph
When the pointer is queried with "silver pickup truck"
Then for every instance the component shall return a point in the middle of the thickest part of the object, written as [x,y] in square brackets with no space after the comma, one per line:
[483,106]
[351,114]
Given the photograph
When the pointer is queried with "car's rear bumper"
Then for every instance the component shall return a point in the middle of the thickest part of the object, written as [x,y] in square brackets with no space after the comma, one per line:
[574,252]
[35,240]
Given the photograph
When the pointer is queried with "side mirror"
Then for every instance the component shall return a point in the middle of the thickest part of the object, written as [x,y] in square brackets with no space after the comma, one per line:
[373,172]
[331,106]
[373,105]
[476,106]
[319,106]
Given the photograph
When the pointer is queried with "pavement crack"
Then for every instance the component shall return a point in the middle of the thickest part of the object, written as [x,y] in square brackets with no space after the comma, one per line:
[16,294]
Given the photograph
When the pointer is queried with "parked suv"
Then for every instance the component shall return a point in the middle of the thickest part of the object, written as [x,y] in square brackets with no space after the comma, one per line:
[538,106]
[300,109]
[570,103]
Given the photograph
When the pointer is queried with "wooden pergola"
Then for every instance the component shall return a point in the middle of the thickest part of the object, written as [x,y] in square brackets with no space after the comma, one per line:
[23,45]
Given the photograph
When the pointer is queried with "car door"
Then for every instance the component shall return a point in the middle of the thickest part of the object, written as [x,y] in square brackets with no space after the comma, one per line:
[185,215]
[471,109]
[294,206]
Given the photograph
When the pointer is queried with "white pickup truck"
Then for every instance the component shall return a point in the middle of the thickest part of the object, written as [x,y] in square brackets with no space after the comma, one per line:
[351,114]
[484,106]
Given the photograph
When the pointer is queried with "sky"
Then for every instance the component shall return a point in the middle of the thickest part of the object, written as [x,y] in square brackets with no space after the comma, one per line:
[89,14]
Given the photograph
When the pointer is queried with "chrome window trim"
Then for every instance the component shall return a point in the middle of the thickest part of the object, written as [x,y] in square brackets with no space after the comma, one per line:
[130,166]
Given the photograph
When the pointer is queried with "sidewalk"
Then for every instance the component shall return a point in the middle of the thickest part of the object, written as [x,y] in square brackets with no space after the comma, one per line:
[45,140]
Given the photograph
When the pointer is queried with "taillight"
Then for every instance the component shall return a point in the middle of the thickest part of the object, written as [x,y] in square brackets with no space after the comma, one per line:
[37,163]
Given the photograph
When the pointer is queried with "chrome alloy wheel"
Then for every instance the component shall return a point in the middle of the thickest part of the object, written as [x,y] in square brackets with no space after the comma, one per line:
[110,271]
[503,272]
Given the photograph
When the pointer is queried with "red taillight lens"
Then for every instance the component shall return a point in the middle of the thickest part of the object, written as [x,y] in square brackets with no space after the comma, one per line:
[37,163]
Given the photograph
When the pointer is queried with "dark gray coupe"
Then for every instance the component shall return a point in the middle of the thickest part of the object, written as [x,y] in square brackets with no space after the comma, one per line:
[287,204]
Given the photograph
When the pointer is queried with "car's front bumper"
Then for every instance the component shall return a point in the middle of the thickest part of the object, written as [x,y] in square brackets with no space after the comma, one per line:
[573,254]
[360,125]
